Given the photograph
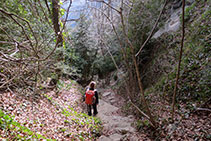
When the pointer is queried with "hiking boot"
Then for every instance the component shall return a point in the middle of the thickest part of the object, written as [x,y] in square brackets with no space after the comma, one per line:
[95,113]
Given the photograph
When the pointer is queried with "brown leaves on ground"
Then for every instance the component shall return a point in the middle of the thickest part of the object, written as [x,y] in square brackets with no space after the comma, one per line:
[46,115]
[188,125]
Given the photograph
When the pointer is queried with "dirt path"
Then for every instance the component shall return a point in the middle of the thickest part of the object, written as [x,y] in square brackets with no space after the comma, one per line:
[116,126]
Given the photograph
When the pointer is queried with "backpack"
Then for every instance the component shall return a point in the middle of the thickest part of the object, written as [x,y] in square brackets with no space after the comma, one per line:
[90,97]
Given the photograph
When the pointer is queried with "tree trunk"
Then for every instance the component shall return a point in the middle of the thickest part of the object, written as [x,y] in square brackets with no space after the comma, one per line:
[55,18]
[180,58]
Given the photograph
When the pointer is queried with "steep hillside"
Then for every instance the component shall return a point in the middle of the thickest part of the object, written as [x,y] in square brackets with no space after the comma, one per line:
[159,73]
[195,70]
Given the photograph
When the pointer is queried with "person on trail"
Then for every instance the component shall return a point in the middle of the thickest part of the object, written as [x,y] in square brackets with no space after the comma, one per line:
[91,98]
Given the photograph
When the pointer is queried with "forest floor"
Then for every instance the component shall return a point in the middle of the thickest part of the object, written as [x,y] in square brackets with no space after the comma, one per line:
[120,124]
[50,115]
[61,116]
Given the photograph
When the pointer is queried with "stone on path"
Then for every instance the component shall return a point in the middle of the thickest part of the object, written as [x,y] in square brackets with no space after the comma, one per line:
[115,137]
[104,138]
[106,94]
[105,108]
[117,126]
[112,101]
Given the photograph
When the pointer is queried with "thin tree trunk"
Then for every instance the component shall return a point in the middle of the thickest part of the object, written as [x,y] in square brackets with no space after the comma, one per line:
[126,87]
[151,119]
[55,18]
[148,115]
[180,58]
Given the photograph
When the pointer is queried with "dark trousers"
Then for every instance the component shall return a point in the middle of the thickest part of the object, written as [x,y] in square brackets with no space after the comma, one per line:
[89,109]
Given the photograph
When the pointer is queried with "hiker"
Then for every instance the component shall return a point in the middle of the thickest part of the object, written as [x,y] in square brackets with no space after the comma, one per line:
[91,98]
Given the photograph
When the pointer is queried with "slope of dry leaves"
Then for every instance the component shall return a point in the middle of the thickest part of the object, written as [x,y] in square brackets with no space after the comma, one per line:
[55,116]
[190,124]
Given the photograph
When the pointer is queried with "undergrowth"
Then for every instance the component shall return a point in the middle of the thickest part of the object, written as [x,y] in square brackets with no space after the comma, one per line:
[195,76]
[82,120]
[78,120]
[75,124]
[13,130]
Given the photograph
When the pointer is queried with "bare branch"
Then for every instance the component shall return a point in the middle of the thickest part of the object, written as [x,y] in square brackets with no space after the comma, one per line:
[145,115]
[26,35]
[68,9]
[106,4]
[46,3]
[45,15]
[153,29]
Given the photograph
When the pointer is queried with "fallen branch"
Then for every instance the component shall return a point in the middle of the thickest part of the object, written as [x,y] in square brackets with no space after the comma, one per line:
[140,111]
[206,102]
[203,109]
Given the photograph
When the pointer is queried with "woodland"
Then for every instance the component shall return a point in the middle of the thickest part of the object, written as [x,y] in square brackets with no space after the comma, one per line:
[150,60]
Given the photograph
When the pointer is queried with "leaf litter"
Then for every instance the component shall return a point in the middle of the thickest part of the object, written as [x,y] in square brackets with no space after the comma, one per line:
[55,116]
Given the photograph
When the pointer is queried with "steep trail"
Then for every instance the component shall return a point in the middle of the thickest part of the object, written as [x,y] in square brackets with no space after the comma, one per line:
[116,126]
